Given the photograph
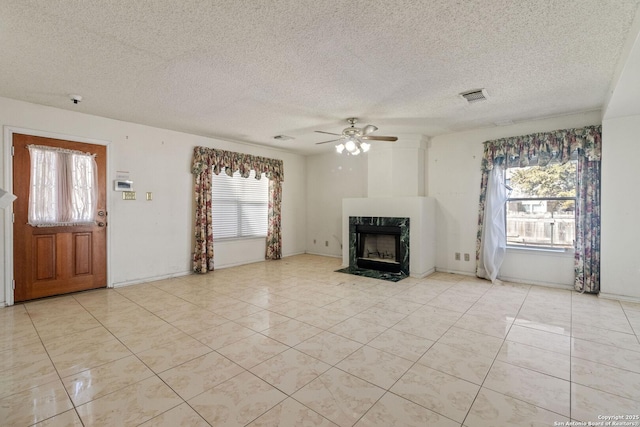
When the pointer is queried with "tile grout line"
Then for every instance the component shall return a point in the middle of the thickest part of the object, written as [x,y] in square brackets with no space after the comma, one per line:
[136,356]
[495,357]
[571,341]
[388,390]
[73,406]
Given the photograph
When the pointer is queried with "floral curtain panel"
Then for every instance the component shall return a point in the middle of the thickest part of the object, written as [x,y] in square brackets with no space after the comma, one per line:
[274,234]
[210,160]
[587,255]
[203,251]
[558,146]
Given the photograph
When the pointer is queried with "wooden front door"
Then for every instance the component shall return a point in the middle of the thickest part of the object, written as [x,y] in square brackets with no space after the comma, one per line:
[56,260]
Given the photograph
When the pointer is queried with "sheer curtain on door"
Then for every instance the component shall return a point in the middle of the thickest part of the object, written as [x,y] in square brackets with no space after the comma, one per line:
[63,187]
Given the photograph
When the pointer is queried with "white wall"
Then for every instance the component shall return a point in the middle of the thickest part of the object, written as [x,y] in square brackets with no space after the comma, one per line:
[397,169]
[453,179]
[331,177]
[154,239]
[620,263]
[620,231]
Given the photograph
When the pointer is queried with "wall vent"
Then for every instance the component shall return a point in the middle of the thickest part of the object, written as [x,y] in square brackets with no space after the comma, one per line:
[475,95]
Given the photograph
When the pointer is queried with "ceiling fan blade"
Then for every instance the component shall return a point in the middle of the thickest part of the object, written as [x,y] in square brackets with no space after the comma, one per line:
[333,140]
[380,138]
[328,133]
[368,129]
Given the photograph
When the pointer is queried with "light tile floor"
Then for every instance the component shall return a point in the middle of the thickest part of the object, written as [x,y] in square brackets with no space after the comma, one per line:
[292,343]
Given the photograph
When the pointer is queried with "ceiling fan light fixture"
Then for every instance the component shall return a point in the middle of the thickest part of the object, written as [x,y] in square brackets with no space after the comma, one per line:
[353,140]
[350,145]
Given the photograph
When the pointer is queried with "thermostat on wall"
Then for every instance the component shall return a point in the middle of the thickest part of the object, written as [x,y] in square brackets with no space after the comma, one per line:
[122,185]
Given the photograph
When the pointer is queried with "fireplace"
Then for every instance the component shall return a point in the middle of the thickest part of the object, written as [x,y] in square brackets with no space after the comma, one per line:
[380,244]
[421,211]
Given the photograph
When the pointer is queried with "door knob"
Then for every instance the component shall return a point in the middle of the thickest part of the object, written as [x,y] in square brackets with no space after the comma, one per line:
[101,224]
[101,213]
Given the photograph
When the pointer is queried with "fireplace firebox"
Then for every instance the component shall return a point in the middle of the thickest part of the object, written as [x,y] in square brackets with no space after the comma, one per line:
[379,244]
[378,247]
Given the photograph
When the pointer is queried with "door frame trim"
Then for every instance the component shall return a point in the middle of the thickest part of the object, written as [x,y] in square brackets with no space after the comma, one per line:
[8,212]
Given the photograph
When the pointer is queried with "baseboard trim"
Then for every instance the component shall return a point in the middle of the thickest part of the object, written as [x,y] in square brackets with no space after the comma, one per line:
[537,283]
[627,298]
[327,255]
[462,273]
[237,264]
[424,274]
[512,279]
[293,254]
[151,279]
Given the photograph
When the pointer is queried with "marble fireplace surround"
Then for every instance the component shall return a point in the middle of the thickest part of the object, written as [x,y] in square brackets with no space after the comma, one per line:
[422,233]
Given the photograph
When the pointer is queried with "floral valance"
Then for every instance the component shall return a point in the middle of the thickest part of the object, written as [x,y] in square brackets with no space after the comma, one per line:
[217,160]
[558,146]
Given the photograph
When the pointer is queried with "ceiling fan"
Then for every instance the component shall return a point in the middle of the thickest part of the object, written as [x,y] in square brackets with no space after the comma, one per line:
[354,139]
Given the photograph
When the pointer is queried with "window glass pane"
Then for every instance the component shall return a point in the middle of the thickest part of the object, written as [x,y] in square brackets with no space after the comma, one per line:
[239,206]
[541,207]
[553,180]
[541,223]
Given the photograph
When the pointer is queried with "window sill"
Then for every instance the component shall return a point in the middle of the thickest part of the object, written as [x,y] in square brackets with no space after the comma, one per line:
[542,250]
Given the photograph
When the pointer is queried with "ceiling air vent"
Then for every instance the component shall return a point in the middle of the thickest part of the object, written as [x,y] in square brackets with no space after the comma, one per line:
[475,95]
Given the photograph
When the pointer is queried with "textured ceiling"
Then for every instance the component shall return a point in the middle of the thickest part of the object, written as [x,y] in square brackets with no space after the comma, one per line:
[250,70]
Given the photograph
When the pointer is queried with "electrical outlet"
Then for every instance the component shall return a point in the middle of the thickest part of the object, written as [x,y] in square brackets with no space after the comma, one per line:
[466,257]
[326,243]
[457,256]
[128,195]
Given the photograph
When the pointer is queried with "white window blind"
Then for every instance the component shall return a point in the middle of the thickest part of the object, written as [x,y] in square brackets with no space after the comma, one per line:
[239,206]
[63,187]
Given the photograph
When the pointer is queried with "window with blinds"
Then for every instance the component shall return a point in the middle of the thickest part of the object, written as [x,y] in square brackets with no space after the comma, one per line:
[239,206]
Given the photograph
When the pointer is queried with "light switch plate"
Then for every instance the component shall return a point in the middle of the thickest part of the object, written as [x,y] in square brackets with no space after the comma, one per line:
[149,195]
[128,195]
